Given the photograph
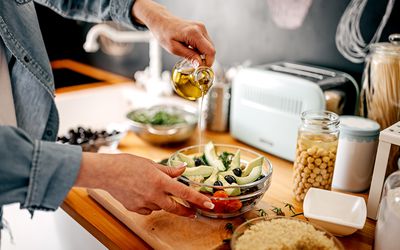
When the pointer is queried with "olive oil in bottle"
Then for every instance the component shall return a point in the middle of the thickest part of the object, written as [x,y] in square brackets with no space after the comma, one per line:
[189,82]
[192,83]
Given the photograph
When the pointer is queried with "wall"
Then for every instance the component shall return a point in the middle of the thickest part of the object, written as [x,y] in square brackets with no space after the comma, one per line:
[241,30]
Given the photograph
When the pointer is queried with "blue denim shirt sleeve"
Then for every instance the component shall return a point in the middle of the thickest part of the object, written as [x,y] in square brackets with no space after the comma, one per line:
[97,11]
[42,172]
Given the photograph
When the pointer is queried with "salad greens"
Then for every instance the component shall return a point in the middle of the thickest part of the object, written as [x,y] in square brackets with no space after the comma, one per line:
[157,118]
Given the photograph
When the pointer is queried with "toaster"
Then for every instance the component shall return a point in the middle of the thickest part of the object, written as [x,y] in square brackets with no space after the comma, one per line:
[267,101]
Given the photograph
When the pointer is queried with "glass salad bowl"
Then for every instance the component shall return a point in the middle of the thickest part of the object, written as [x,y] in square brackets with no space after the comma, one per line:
[214,171]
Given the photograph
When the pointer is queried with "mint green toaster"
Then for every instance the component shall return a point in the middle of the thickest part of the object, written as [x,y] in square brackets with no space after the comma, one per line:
[267,101]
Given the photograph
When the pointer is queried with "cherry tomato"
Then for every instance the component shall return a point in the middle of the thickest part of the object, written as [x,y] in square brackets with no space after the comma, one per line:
[219,205]
[233,206]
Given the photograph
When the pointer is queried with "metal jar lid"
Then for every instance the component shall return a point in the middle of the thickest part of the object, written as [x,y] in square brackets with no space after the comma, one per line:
[355,126]
[391,47]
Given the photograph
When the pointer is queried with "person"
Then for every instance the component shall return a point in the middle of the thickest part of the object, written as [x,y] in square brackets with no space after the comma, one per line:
[34,170]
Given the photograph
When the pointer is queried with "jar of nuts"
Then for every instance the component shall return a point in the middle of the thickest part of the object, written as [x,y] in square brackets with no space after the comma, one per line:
[317,143]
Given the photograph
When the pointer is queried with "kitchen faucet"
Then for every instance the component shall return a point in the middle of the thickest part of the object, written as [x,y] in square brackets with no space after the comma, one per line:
[153,75]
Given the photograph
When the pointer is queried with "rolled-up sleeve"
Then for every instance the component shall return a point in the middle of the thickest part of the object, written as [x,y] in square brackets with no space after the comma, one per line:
[118,11]
[36,174]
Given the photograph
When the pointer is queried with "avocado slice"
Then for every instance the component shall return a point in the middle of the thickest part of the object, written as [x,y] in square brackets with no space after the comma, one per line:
[254,174]
[210,181]
[235,163]
[212,158]
[176,163]
[204,171]
[254,163]
[230,191]
[189,160]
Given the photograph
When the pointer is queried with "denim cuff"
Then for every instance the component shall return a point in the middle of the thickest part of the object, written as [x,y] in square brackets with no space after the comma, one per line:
[53,172]
[121,13]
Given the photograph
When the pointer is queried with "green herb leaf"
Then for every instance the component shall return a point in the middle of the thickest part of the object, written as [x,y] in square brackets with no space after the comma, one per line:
[290,207]
[278,211]
[229,227]
[262,213]
[226,158]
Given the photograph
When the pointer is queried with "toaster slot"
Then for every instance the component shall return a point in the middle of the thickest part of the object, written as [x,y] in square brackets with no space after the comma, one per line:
[311,69]
[282,69]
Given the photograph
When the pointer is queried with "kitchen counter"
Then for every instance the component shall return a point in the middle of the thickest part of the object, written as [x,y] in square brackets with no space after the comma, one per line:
[115,235]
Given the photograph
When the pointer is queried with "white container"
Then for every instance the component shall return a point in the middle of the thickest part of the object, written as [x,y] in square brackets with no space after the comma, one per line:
[355,158]
[340,214]
[388,225]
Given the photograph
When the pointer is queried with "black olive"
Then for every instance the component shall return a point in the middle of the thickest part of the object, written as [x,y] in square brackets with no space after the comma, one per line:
[230,179]
[198,162]
[259,178]
[184,180]
[237,172]
[218,183]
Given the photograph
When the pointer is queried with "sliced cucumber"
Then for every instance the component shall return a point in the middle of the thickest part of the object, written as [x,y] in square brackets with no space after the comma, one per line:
[254,174]
[204,171]
[230,191]
[254,163]
[189,160]
[212,158]
[210,181]
[235,163]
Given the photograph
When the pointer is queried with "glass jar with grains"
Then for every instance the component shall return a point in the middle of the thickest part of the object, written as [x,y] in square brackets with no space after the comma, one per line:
[317,143]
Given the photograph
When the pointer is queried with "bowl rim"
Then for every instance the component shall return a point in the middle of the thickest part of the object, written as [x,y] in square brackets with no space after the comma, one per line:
[307,203]
[184,109]
[262,180]
[236,232]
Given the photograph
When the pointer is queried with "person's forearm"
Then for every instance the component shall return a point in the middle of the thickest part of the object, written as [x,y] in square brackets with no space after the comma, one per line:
[143,12]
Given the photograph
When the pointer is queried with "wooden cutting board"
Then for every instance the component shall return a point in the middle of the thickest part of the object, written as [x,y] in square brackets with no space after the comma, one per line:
[162,230]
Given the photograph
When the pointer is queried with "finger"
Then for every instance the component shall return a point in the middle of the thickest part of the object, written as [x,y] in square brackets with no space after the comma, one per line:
[153,207]
[186,193]
[171,206]
[182,50]
[205,47]
[172,171]
[144,211]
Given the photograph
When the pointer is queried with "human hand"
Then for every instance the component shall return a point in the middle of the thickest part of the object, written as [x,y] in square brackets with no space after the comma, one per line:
[181,37]
[140,184]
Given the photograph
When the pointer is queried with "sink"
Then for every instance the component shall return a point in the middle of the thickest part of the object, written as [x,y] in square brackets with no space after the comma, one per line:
[99,107]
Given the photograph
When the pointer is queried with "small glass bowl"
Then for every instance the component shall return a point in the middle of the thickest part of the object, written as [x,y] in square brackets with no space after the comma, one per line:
[231,206]
[239,231]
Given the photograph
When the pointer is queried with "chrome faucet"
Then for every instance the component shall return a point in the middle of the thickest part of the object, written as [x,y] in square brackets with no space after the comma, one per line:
[155,64]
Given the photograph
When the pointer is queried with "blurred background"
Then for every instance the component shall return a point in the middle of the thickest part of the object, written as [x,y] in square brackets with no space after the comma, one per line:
[241,31]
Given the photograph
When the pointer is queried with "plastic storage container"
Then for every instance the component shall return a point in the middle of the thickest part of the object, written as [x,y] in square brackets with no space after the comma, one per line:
[356,153]
[317,143]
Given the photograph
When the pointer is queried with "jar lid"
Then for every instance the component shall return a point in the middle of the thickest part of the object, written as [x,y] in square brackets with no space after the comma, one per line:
[358,126]
[393,46]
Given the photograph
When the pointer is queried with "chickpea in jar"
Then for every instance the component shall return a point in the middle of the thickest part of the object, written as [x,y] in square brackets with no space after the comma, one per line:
[315,159]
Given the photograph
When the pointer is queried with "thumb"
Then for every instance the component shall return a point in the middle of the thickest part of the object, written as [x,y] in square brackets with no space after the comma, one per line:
[173,171]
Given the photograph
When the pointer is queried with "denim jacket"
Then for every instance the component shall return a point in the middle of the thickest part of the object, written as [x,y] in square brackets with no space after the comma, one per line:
[34,170]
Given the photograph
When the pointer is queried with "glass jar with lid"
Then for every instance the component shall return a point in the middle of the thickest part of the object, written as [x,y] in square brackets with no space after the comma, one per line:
[380,98]
[316,148]
[191,81]
[380,94]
